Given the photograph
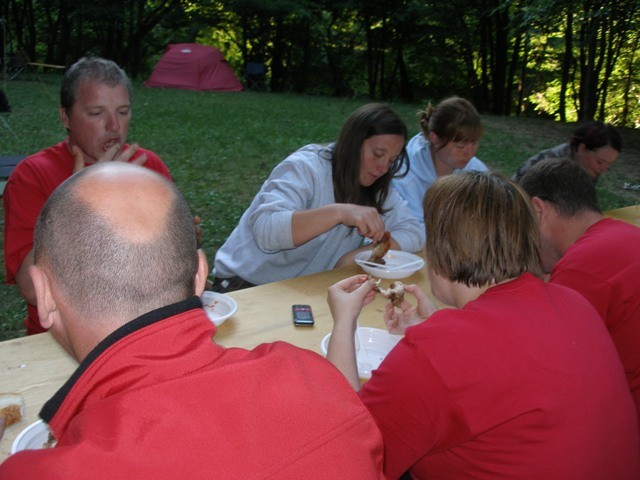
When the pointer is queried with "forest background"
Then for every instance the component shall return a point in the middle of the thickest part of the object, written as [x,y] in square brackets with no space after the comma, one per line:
[564,59]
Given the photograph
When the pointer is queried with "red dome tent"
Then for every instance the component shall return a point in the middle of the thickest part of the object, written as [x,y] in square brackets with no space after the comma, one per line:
[194,67]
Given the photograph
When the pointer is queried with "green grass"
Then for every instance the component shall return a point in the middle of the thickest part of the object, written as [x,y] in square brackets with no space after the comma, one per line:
[221,146]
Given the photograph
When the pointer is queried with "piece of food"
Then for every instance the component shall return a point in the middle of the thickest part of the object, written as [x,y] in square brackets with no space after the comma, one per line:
[380,249]
[11,408]
[395,292]
[51,441]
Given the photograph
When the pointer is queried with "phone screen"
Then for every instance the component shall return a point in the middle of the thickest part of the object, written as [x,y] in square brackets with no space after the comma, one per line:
[302,315]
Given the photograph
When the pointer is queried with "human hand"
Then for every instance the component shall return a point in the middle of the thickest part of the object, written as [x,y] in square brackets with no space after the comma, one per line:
[366,219]
[347,297]
[398,321]
[113,154]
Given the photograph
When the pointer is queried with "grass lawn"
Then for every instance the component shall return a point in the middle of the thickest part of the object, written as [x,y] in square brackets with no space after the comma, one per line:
[221,146]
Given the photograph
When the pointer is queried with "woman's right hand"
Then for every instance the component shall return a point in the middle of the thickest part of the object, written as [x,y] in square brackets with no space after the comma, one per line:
[366,219]
[398,321]
[308,224]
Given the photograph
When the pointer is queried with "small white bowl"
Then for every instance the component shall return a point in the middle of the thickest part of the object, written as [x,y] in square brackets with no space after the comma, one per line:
[398,264]
[218,306]
[375,344]
[34,437]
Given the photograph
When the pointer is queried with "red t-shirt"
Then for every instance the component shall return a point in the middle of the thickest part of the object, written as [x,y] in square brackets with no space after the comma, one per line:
[604,266]
[32,181]
[523,382]
[166,402]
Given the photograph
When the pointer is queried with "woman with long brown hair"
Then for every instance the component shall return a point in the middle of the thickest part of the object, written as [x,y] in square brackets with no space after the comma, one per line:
[322,204]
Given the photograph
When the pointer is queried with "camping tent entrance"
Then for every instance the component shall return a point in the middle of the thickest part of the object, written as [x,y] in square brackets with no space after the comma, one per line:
[193,66]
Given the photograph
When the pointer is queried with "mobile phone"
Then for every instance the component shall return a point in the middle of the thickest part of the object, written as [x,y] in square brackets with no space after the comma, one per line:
[302,315]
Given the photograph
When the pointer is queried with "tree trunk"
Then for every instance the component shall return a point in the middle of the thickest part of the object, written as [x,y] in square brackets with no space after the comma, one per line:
[405,85]
[499,64]
[566,65]
[628,84]
[277,56]
[371,59]
[523,76]
[511,75]
[588,67]
[618,34]
[485,45]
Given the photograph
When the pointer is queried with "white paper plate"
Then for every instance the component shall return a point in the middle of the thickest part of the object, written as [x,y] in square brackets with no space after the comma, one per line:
[397,265]
[375,344]
[218,306]
[34,437]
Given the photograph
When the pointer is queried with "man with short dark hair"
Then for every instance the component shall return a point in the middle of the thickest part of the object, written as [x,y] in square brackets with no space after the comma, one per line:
[597,256]
[95,108]
[154,396]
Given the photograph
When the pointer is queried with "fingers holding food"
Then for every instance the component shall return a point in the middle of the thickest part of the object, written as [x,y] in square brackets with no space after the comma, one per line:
[380,249]
[395,292]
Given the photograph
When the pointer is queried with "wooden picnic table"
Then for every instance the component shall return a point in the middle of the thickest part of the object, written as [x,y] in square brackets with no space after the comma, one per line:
[628,214]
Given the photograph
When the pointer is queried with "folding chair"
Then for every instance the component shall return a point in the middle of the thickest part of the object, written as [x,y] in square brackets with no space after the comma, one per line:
[19,63]
[5,109]
[255,75]
[7,164]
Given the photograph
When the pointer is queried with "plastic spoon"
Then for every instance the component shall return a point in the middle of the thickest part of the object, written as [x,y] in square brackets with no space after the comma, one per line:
[404,266]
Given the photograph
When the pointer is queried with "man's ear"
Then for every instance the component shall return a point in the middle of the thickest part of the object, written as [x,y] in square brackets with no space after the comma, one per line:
[200,279]
[64,117]
[47,308]
[540,207]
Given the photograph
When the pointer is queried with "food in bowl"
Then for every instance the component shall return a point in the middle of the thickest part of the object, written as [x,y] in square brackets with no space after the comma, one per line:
[380,249]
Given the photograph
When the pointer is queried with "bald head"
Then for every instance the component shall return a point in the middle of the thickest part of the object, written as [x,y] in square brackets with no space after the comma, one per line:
[135,202]
[118,240]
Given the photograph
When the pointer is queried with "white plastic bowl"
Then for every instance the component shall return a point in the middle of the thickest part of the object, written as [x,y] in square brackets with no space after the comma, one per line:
[375,344]
[398,264]
[218,306]
[34,437]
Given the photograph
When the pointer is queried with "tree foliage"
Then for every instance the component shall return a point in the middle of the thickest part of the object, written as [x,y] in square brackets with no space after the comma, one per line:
[569,59]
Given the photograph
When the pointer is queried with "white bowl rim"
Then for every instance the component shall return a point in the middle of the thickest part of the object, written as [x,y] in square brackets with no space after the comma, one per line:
[226,299]
[397,272]
[367,332]
[38,425]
